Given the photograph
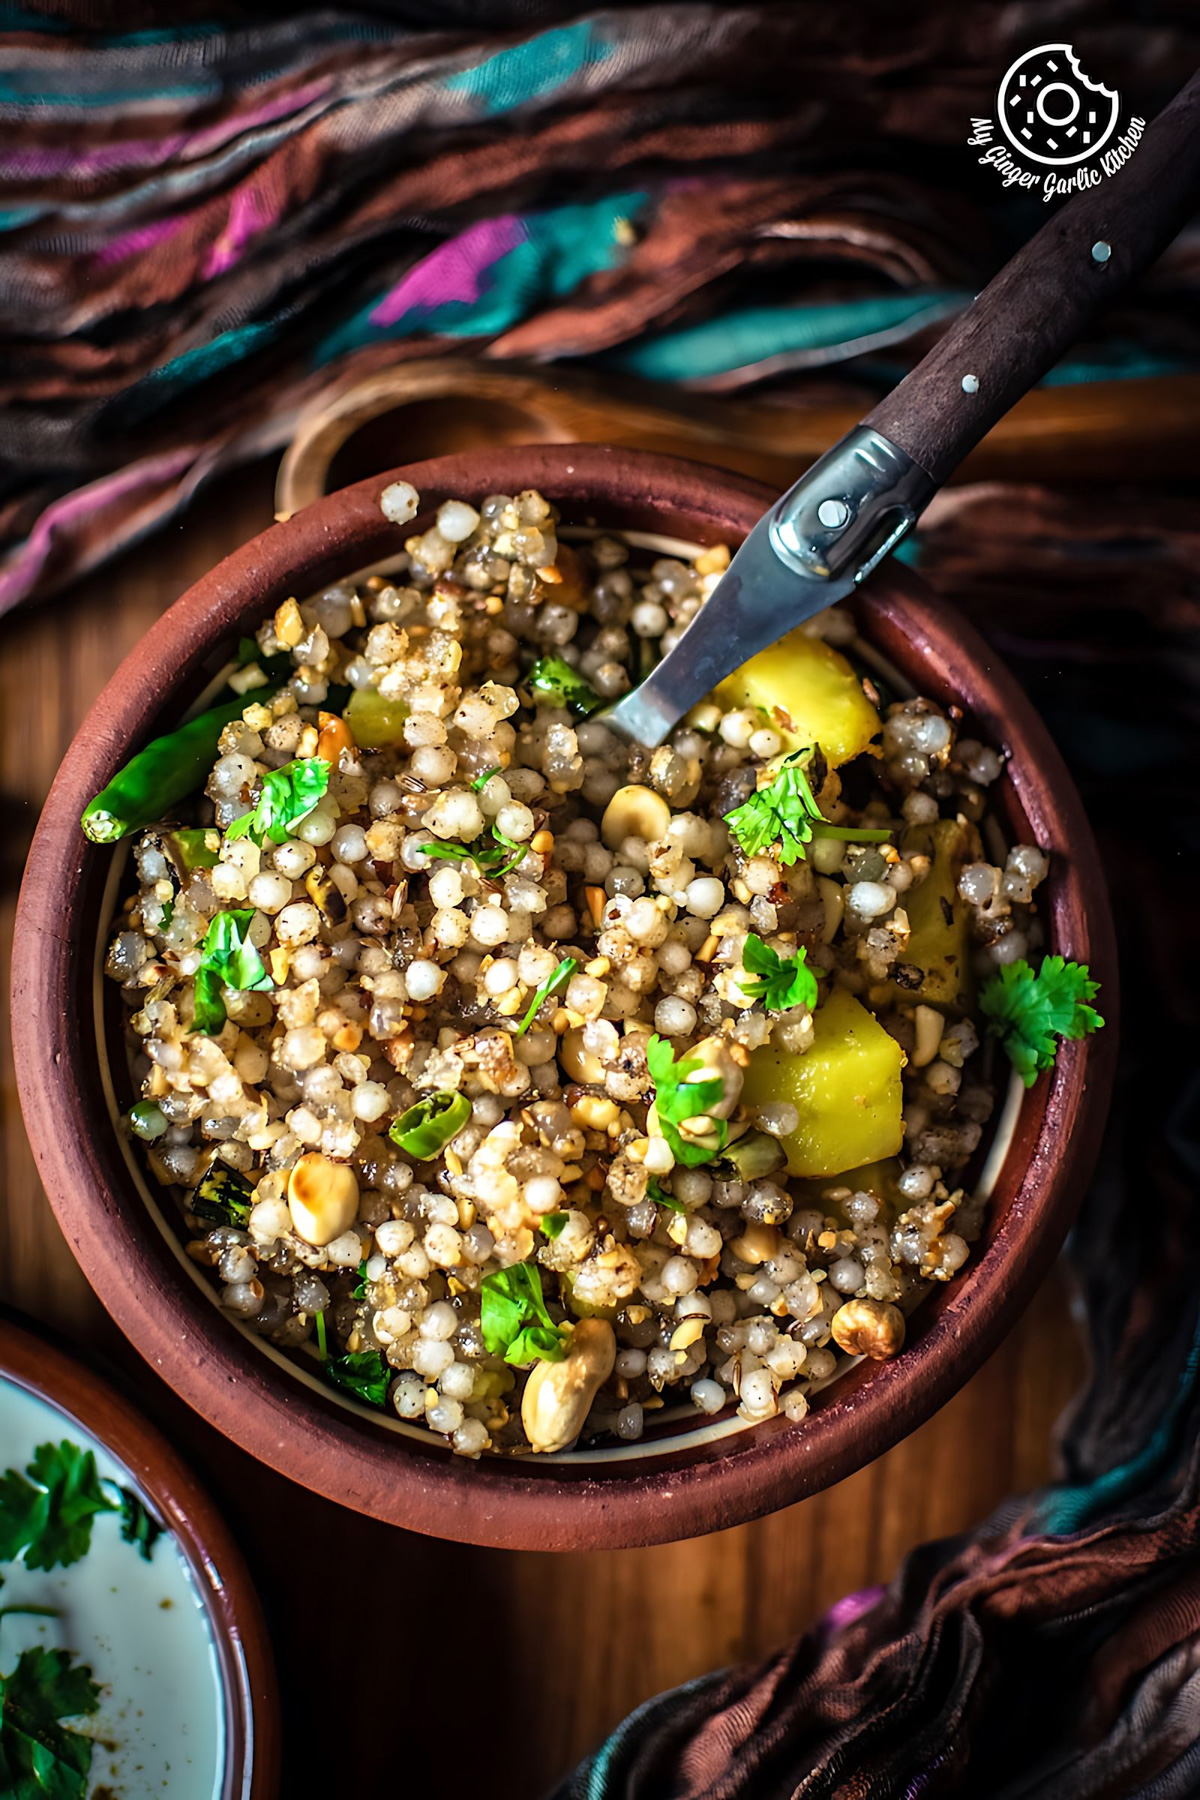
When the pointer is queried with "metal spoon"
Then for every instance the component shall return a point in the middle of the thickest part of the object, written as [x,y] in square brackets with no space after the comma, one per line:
[856,503]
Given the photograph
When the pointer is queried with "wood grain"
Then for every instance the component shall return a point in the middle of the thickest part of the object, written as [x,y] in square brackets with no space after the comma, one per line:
[558,1648]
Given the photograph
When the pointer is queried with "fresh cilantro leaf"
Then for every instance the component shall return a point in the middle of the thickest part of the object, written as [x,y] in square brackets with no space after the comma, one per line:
[785,812]
[223,1197]
[535,1343]
[554,1224]
[24,1514]
[553,680]
[1030,1013]
[781,981]
[514,1318]
[226,957]
[677,1097]
[138,1524]
[782,812]
[322,1339]
[40,1758]
[359,1290]
[285,797]
[363,1373]
[49,1516]
[661,1198]
[551,985]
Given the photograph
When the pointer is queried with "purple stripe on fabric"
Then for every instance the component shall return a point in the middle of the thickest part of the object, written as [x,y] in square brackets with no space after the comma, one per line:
[249,213]
[144,238]
[852,1606]
[29,164]
[454,271]
[19,575]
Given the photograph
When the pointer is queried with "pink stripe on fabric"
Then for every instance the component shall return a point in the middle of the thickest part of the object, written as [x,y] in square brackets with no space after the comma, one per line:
[852,1606]
[454,271]
[144,238]
[249,214]
[19,575]
[29,164]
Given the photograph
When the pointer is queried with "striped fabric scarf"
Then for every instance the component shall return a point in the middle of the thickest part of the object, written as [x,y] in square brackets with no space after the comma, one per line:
[205,222]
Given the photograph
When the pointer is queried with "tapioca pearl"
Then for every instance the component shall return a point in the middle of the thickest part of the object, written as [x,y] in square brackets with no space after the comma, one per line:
[456,521]
[424,980]
[320,825]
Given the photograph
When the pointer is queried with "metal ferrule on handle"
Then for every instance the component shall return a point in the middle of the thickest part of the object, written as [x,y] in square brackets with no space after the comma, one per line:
[808,551]
[851,508]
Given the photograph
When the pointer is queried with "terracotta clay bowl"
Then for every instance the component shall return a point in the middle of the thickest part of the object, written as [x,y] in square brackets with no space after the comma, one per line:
[686,1478]
[86,1406]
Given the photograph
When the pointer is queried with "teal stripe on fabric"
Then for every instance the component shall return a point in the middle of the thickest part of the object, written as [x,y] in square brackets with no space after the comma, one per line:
[18,215]
[20,88]
[602,1767]
[200,363]
[1120,361]
[23,18]
[1068,1509]
[524,71]
[738,340]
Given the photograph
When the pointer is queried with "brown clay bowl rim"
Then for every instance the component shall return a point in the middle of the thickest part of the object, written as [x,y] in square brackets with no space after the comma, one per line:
[316,1441]
[239,1633]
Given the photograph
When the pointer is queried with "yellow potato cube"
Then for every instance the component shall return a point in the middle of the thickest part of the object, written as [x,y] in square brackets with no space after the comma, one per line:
[811,696]
[846,1087]
[938,943]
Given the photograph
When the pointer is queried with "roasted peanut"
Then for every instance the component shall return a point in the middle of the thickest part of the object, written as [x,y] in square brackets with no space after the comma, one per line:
[636,812]
[322,1198]
[558,1394]
[873,1328]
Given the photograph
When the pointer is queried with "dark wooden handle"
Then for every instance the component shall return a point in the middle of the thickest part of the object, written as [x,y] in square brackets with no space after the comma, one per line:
[1044,298]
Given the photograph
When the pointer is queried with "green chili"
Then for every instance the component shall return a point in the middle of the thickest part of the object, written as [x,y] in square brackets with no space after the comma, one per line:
[223,1197]
[429,1125]
[164,773]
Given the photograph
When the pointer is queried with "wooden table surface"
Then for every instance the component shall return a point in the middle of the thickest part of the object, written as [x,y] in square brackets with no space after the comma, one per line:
[388,1644]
